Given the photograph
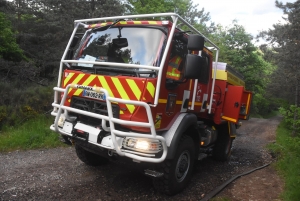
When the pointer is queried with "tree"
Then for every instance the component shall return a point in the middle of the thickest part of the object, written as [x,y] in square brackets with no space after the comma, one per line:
[9,49]
[185,8]
[284,39]
[44,26]
[238,51]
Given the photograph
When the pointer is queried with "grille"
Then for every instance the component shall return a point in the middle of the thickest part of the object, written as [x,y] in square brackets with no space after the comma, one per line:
[94,106]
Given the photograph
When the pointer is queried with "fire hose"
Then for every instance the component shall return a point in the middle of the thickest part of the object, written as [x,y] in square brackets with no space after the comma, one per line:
[222,186]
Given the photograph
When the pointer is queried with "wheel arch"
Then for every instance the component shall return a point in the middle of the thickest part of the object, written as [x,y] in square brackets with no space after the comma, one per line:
[186,123]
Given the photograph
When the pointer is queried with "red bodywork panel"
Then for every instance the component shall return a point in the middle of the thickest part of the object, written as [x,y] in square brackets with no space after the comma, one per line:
[229,102]
[125,87]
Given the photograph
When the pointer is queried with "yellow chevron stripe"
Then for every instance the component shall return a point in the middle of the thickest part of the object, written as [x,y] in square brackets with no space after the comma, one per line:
[105,86]
[86,83]
[151,88]
[78,78]
[135,89]
[152,22]
[68,78]
[123,93]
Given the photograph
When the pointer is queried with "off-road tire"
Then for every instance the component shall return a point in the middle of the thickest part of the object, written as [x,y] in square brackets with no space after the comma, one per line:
[178,171]
[223,145]
[90,158]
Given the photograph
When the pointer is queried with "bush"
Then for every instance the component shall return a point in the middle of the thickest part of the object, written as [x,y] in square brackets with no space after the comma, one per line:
[287,150]
[19,104]
[291,118]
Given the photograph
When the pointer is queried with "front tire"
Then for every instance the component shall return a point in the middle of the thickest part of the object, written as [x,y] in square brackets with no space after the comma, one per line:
[178,171]
[90,158]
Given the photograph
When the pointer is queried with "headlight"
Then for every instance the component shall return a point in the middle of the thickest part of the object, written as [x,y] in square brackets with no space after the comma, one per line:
[142,145]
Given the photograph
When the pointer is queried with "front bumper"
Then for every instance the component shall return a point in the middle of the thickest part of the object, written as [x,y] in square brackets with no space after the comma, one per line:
[108,138]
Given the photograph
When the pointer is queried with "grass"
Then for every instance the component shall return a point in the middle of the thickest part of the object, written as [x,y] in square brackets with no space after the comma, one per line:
[33,134]
[287,149]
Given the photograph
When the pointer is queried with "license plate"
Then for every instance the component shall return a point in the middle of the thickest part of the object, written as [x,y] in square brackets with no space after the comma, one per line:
[92,94]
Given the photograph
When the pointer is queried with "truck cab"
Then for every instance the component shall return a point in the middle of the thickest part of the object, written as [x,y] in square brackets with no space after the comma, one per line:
[147,91]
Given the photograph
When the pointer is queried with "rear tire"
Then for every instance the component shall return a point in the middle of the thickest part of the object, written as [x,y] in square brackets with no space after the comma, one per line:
[177,172]
[223,145]
[90,158]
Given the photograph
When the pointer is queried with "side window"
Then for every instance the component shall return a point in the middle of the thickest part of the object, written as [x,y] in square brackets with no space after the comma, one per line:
[177,60]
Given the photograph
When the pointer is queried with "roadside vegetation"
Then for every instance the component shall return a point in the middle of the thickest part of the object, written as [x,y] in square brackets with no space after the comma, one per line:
[32,134]
[34,38]
[286,150]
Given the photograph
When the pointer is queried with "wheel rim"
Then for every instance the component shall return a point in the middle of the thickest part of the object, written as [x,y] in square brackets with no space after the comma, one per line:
[182,166]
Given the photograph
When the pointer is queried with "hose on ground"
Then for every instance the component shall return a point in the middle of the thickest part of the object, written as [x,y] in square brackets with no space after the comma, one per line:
[222,186]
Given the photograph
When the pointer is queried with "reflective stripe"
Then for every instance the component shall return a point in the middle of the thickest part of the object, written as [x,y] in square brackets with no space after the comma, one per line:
[128,89]
[135,89]
[86,83]
[229,119]
[105,85]
[151,89]
[125,23]
[70,75]
[173,72]
[123,93]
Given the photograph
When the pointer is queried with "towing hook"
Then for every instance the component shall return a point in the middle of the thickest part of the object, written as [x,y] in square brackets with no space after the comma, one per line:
[110,153]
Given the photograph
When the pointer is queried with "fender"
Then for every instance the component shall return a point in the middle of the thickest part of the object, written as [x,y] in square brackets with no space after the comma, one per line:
[183,122]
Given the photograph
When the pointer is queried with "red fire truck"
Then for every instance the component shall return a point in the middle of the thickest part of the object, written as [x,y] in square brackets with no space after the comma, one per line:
[145,90]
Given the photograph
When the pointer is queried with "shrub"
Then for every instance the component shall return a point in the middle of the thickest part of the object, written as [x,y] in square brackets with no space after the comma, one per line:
[291,118]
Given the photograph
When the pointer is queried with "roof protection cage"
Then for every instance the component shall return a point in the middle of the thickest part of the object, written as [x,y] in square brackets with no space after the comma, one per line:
[175,19]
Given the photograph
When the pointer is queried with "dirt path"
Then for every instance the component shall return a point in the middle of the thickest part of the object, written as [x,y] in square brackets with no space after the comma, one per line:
[264,184]
[57,174]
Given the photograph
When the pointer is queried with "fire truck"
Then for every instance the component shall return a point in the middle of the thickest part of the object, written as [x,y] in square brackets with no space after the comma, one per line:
[139,88]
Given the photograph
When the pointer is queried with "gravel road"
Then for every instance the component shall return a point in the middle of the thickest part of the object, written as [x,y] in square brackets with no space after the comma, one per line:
[57,174]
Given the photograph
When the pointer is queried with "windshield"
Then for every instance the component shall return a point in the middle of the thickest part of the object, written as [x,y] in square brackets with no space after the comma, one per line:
[132,45]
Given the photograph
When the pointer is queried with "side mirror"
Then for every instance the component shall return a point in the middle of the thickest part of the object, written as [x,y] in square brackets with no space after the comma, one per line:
[70,54]
[120,42]
[74,41]
[193,66]
[195,42]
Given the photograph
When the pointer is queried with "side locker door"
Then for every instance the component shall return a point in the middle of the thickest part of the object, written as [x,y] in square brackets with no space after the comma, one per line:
[232,103]
[245,105]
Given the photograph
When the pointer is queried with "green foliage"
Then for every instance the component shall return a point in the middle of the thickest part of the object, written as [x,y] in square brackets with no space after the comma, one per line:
[291,118]
[282,49]
[33,134]
[287,149]
[9,49]
[238,51]
[19,104]
[185,8]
